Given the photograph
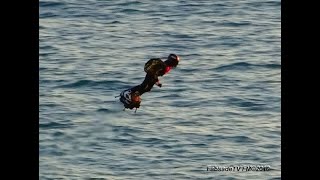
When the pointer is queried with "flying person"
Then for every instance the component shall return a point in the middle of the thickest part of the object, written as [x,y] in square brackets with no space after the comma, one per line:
[154,68]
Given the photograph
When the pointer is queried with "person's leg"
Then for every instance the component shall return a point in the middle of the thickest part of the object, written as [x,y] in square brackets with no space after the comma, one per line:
[131,97]
[137,88]
[146,85]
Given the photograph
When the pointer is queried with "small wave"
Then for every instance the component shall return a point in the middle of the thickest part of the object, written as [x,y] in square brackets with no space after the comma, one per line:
[245,66]
[241,139]
[47,47]
[170,20]
[50,4]
[270,146]
[125,134]
[57,134]
[89,83]
[248,104]
[211,137]
[49,105]
[272,66]
[53,125]
[103,110]
[115,22]
[190,70]
[52,150]
[126,141]
[47,15]
[270,81]
[182,36]
[171,96]
[234,66]
[276,178]
[236,24]
[182,103]
[129,3]
[46,81]
[42,68]
[265,4]
[124,129]
[153,141]
[131,11]
[199,145]
[41,27]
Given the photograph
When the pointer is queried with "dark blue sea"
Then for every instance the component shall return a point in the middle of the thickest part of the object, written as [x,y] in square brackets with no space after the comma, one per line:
[221,107]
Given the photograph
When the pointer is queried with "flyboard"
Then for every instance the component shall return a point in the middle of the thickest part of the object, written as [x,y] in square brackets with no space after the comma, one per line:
[129,100]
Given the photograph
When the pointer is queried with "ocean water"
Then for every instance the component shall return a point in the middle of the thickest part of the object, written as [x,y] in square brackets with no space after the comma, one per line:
[220,107]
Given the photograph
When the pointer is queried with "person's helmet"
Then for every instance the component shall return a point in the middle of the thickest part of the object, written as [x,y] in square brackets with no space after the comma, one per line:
[173,60]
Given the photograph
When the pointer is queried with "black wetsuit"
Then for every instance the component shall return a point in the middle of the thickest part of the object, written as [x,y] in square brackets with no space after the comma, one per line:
[148,83]
[159,68]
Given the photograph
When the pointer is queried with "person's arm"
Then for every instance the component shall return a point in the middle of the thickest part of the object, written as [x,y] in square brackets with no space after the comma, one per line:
[158,83]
